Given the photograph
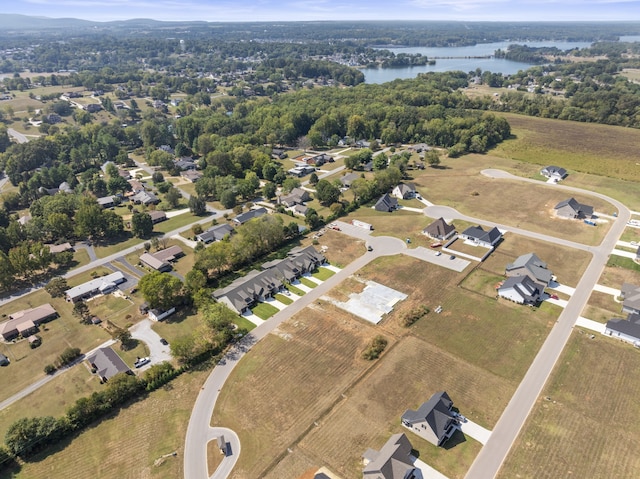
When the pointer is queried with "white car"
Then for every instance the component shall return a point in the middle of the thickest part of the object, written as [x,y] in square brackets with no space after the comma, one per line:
[438,253]
[141,362]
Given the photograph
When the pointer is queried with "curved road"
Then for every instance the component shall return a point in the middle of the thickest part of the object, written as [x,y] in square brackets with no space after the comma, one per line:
[199,431]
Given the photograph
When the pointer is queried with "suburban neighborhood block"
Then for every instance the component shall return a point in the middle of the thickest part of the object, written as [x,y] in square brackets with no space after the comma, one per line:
[107,363]
[103,285]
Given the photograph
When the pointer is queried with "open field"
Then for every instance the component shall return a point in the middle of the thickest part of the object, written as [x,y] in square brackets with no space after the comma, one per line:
[340,248]
[400,224]
[106,452]
[66,331]
[615,276]
[582,431]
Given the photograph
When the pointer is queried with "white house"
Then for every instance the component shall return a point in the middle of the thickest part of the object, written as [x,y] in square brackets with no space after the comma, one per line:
[521,290]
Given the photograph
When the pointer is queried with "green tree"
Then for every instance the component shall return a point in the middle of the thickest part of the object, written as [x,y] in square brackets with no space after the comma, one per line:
[269,190]
[56,287]
[433,158]
[197,205]
[161,290]
[228,199]
[327,193]
[172,197]
[30,434]
[141,225]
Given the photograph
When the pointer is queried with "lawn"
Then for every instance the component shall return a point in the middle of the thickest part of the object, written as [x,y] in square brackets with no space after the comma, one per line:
[264,311]
[614,276]
[283,299]
[104,451]
[622,262]
[308,283]
[587,394]
[120,311]
[294,290]
[323,274]
[631,234]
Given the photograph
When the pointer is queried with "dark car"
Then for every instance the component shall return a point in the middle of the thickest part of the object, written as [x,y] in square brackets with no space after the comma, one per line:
[164,341]
[452,257]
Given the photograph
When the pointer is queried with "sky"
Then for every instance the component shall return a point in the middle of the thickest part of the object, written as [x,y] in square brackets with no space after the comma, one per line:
[302,10]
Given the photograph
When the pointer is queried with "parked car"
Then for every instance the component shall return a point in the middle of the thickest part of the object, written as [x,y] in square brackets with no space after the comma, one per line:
[452,257]
[554,296]
[438,253]
[141,362]
[369,248]
[164,341]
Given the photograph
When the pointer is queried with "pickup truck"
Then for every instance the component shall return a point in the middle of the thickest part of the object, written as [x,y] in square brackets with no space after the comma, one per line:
[141,362]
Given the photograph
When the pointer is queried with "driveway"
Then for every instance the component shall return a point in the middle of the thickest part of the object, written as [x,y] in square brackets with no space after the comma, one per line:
[157,351]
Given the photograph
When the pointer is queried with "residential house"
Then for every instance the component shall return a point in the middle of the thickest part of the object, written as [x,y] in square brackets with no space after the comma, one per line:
[136,186]
[630,298]
[521,290]
[157,216]
[392,461]
[166,148]
[480,237]
[297,196]
[107,201]
[215,233]
[161,260]
[59,248]
[23,220]
[65,187]
[348,179]
[160,314]
[145,198]
[126,174]
[93,107]
[24,323]
[185,163]
[439,230]
[52,118]
[257,286]
[626,329]
[301,171]
[638,254]
[554,172]
[530,265]
[102,285]
[419,147]
[404,191]
[107,363]
[249,215]
[278,154]
[572,209]
[434,420]
[191,175]
[300,210]
[386,203]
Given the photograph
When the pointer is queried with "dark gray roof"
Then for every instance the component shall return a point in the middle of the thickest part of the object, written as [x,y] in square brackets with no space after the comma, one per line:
[554,170]
[534,265]
[386,203]
[578,208]
[347,179]
[436,412]
[629,326]
[439,229]
[107,363]
[525,286]
[631,295]
[478,233]
[249,215]
[215,233]
[393,461]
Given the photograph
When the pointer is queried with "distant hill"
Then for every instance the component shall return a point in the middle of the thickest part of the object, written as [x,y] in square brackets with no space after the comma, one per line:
[9,21]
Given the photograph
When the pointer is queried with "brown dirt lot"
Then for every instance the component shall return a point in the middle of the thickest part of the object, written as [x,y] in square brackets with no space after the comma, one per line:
[341,249]
[569,436]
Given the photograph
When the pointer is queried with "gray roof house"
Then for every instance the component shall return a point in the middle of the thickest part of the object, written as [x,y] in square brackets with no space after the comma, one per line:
[481,237]
[249,215]
[4,361]
[215,233]
[157,216]
[404,191]
[553,172]
[185,163]
[349,178]
[434,420]
[103,285]
[191,175]
[145,198]
[572,209]
[392,461]
[256,286]
[521,290]
[161,260]
[107,363]
[439,230]
[386,203]
[530,265]
[107,201]
[297,196]
[626,329]
[630,298]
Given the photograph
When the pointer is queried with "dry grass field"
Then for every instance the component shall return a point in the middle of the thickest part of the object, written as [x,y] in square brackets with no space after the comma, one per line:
[340,248]
[126,445]
[586,429]
[613,276]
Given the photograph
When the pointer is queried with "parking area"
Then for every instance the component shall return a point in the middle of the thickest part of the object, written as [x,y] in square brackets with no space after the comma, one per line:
[444,260]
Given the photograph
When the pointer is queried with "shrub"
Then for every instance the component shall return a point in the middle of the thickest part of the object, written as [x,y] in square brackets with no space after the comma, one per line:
[413,315]
[68,356]
[375,348]
[49,369]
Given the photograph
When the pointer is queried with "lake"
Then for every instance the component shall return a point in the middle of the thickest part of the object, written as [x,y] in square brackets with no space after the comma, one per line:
[461,58]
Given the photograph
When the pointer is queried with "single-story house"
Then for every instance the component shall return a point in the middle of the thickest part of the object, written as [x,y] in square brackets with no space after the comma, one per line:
[278,154]
[521,290]
[434,420]
[166,148]
[530,265]
[159,314]
[65,187]
[157,216]
[185,163]
[297,196]
[480,237]
[215,233]
[145,198]
[102,285]
[161,260]
[630,298]
[626,329]
[107,201]
[93,107]
[348,179]
[419,147]
[249,215]
[59,248]
[572,209]
[52,118]
[439,230]
[300,210]
[107,363]
[136,186]
[554,172]
[392,461]
[386,203]
[126,174]
[301,171]
[23,220]
[404,191]
[256,286]
[191,175]
[26,322]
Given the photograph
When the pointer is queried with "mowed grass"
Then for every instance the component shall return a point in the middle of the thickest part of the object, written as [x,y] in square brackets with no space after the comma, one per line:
[586,429]
[264,310]
[623,262]
[294,377]
[128,443]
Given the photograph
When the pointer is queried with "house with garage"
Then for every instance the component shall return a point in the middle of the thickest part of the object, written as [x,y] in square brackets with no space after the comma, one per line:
[191,175]
[157,216]
[185,163]
[299,210]
[530,265]
[297,196]
[626,329]
[521,290]
[136,186]
[348,179]
[215,233]
[26,322]
[573,210]
[479,237]
[103,285]
[553,172]
[435,420]
[439,230]
[160,314]
[107,201]
[107,363]
[145,198]
[386,203]
[59,248]
[161,260]
[404,191]
[392,461]
[249,215]
[630,295]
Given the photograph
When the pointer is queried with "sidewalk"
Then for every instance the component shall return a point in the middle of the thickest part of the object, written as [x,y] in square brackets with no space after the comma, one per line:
[590,324]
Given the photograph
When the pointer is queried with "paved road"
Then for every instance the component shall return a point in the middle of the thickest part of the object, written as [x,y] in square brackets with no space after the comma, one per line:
[19,137]
[199,433]
[492,455]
